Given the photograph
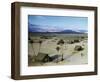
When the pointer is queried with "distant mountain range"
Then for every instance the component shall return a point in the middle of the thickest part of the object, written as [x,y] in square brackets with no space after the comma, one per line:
[73,32]
[48,29]
[83,31]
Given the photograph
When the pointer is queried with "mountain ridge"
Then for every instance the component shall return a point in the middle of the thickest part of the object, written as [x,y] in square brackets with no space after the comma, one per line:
[48,29]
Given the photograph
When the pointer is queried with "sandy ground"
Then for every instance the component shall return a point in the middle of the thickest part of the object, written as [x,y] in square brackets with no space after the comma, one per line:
[71,57]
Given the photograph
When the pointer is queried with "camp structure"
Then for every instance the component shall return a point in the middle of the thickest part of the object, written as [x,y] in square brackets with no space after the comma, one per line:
[43,57]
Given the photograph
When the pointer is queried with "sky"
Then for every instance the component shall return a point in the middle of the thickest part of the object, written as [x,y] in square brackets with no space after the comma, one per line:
[59,22]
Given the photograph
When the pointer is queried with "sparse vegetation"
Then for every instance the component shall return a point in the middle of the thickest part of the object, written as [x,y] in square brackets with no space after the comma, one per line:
[57,48]
[54,46]
[78,48]
[61,43]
